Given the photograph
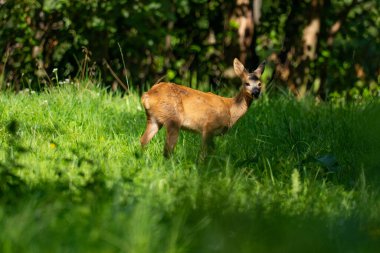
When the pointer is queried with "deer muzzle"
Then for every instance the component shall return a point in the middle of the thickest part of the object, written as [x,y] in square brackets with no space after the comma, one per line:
[256,92]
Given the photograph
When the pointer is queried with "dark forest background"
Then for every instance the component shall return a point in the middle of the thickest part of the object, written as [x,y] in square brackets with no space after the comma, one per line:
[322,47]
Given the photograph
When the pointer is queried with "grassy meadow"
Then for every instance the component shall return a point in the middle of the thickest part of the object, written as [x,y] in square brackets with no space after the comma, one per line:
[291,176]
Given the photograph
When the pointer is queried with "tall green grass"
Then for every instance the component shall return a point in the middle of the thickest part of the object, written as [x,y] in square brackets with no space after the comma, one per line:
[291,176]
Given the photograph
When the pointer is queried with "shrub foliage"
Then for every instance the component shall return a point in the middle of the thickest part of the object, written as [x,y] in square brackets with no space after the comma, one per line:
[319,46]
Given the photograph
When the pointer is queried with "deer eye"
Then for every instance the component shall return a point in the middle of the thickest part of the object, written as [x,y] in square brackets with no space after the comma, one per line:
[246,84]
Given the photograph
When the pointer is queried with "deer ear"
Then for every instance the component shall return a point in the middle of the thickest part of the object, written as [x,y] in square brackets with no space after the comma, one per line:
[239,68]
[260,69]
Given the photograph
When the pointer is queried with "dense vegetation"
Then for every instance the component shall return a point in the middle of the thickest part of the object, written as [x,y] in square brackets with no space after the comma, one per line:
[291,176]
[319,46]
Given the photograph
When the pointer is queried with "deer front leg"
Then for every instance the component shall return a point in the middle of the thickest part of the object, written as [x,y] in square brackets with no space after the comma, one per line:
[172,132]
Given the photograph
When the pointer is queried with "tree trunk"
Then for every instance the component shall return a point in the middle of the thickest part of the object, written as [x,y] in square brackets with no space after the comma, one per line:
[300,47]
[310,37]
[243,16]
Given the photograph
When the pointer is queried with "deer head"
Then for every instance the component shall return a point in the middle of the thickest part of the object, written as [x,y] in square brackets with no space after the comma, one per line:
[251,81]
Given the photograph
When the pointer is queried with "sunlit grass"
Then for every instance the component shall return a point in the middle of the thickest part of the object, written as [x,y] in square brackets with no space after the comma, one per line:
[291,176]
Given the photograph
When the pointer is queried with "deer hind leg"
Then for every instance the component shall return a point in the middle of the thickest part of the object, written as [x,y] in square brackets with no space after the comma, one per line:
[172,132]
[208,145]
[152,127]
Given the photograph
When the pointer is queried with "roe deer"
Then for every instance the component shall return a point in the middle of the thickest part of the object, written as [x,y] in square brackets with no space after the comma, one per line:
[174,107]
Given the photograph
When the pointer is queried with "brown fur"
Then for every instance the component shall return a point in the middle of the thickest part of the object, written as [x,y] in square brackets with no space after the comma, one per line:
[178,107]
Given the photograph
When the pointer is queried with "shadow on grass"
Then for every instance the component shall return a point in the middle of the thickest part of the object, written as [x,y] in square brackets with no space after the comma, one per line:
[274,232]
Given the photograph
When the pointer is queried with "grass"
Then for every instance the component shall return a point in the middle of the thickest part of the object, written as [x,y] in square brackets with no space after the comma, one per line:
[291,176]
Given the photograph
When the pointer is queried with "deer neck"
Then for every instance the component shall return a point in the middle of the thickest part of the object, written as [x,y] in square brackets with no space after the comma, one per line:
[239,106]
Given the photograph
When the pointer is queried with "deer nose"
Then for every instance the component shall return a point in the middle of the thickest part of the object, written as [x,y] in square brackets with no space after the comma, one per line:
[256,92]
